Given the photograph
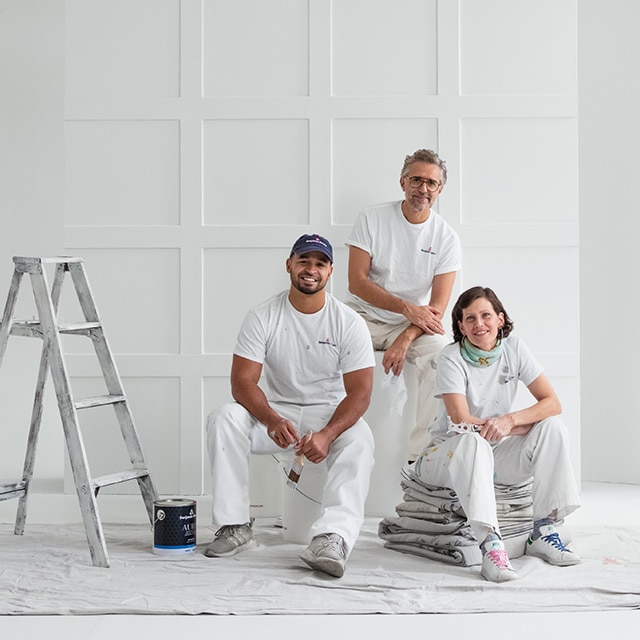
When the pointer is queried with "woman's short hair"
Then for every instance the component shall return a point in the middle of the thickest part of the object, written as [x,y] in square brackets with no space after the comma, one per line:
[471,295]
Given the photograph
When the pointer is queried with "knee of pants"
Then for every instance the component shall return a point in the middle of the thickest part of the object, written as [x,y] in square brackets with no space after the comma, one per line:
[225,419]
[424,351]
[470,451]
[552,429]
[461,450]
[473,443]
[357,438]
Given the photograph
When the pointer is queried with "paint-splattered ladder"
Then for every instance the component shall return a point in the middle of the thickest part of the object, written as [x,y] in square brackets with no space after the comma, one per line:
[52,359]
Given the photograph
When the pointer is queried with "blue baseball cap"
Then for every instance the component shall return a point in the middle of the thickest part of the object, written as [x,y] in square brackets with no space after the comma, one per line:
[307,243]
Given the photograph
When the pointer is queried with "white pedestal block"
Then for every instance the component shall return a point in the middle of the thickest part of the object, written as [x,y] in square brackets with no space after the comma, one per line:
[391,434]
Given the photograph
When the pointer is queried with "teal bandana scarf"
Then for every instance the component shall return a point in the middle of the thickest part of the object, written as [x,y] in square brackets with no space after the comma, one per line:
[478,357]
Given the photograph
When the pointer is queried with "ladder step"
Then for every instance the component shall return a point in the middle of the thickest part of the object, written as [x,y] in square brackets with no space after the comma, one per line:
[98,401]
[14,490]
[117,478]
[32,328]
[79,327]
[28,329]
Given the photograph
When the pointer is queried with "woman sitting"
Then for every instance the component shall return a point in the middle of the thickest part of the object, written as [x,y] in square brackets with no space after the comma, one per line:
[478,440]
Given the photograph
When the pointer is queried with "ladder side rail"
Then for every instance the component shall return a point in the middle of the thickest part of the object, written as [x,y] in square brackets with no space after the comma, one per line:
[98,337]
[108,366]
[7,316]
[36,413]
[136,456]
[114,384]
[83,289]
[75,445]
[148,493]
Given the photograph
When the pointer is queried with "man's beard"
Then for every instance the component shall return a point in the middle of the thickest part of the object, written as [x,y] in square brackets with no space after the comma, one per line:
[302,288]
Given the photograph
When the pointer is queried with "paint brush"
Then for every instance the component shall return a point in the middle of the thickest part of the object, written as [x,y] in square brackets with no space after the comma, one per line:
[296,466]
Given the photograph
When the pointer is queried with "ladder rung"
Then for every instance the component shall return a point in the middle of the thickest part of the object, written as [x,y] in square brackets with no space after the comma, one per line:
[98,401]
[33,329]
[14,490]
[117,478]
[27,329]
[78,327]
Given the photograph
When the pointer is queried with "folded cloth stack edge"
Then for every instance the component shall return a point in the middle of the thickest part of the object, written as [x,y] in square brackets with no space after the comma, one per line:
[431,523]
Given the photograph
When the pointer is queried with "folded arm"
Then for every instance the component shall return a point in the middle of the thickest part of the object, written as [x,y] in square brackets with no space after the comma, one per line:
[511,424]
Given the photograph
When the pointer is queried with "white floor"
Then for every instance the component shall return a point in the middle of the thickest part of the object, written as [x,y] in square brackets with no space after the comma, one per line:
[611,503]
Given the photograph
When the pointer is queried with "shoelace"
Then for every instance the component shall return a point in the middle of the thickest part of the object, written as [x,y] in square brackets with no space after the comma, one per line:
[554,540]
[500,558]
[334,545]
[228,530]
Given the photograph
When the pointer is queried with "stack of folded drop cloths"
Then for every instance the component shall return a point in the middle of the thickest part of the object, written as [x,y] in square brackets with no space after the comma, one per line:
[432,524]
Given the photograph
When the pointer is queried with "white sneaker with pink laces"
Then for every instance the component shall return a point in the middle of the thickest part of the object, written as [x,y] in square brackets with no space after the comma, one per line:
[495,563]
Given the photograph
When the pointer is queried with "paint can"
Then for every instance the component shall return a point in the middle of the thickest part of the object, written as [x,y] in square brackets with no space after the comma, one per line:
[174,527]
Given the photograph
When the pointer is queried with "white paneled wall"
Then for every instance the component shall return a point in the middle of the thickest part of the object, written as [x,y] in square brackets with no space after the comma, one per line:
[202,137]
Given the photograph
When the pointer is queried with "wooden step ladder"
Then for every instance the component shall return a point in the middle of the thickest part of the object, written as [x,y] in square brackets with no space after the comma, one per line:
[52,360]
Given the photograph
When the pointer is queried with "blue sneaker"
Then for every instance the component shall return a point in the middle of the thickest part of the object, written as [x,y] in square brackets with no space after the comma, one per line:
[550,548]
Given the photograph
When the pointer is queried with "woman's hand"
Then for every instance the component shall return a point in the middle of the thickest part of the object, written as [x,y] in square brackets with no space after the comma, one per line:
[494,429]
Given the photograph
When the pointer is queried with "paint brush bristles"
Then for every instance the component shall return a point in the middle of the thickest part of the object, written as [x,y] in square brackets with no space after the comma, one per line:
[296,467]
[295,471]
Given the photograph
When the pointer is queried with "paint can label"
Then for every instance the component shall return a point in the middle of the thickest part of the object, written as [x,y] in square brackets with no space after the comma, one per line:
[174,527]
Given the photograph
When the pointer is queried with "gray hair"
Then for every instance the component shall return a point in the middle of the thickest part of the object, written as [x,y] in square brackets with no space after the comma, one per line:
[428,156]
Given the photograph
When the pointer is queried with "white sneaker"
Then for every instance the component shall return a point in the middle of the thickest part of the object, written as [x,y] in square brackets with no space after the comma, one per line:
[495,563]
[326,553]
[229,540]
[550,548]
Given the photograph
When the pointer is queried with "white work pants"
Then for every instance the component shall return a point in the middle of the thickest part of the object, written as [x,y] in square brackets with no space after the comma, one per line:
[423,354]
[470,466]
[233,434]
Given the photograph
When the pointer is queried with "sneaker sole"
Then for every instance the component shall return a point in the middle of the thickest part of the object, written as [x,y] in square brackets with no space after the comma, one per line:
[326,565]
[504,576]
[556,563]
[227,554]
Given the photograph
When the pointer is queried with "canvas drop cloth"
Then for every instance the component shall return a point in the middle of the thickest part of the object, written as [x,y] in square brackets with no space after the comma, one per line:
[48,571]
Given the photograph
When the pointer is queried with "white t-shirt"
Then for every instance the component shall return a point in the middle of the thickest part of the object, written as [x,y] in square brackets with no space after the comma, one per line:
[405,257]
[305,355]
[490,391]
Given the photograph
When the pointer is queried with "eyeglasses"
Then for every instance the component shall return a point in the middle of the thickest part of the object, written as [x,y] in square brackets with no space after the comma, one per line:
[416,182]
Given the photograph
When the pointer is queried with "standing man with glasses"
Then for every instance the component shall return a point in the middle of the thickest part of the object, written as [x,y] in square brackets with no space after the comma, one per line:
[403,260]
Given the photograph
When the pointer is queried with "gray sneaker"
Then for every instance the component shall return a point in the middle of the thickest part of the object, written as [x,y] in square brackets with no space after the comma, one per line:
[229,540]
[326,553]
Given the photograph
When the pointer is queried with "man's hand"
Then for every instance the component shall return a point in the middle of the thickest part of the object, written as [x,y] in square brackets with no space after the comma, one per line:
[426,318]
[315,447]
[395,355]
[283,433]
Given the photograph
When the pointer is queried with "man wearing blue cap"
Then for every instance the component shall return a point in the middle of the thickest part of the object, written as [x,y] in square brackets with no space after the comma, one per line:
[318,363]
